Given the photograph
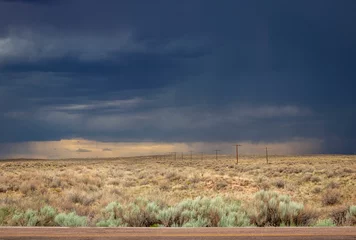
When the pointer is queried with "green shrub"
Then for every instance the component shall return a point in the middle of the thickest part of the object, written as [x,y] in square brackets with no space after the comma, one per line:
[70,220]
[198,222]
[5,212]
[351,215]
[204,212]
[111,216]
[140,213]
[325,223]
[168,216]
[28,218]
[46,216]
[271,209]
[43,217]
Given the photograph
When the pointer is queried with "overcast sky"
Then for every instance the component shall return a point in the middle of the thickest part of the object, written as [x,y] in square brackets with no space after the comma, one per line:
[177,72]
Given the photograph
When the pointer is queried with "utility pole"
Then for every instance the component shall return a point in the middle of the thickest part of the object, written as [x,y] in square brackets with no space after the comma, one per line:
[216,154]
[266,155]
[191,155]
[78,147]
[237,153]
[202,155]
[175,156]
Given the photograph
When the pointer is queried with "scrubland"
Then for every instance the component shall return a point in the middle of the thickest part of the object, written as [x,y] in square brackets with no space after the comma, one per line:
[317,190]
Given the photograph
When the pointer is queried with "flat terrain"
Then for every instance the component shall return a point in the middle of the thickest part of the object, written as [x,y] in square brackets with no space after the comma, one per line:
[177,233]
[324,183]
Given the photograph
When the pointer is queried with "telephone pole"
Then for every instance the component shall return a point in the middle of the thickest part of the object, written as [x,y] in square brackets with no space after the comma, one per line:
[175,156]
[237,153]
[216,154]
[266,155]
[191,155]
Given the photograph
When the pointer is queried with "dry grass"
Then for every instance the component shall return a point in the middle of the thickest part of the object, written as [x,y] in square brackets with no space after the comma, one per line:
[320,182]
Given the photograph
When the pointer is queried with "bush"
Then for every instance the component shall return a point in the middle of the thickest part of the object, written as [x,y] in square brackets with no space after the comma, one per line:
[338,215]
[140,213]
[325,223]
[5,212]
[70,220]
[28,218]
[307,217]
[43,217]
[173,176]
[28,187]
[200,212]
[315,179]
[279,183]
[199,222]
[351,215]
[204,212]
[333,185]
[263,183]
[331,198]
[271,209]
[164,186]
[169,216]
[111,216]
[81,198]
[54,182]
[221,185]
[46,216]
[307,177]
[316,190]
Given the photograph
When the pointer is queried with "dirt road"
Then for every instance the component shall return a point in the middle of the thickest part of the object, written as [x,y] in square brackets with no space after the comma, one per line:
[175,233]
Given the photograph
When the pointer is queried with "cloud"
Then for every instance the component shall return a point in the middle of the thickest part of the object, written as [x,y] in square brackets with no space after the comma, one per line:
[82,150]
[20,45]
[273,111]
[108,104]
[31,1]
[32,46]
[194,123]
[118,75]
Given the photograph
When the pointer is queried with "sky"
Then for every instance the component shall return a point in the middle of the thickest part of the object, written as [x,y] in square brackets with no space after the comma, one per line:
[118,78]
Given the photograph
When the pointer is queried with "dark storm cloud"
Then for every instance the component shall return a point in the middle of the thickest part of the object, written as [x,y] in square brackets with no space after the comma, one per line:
[30,1]
[178,71]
